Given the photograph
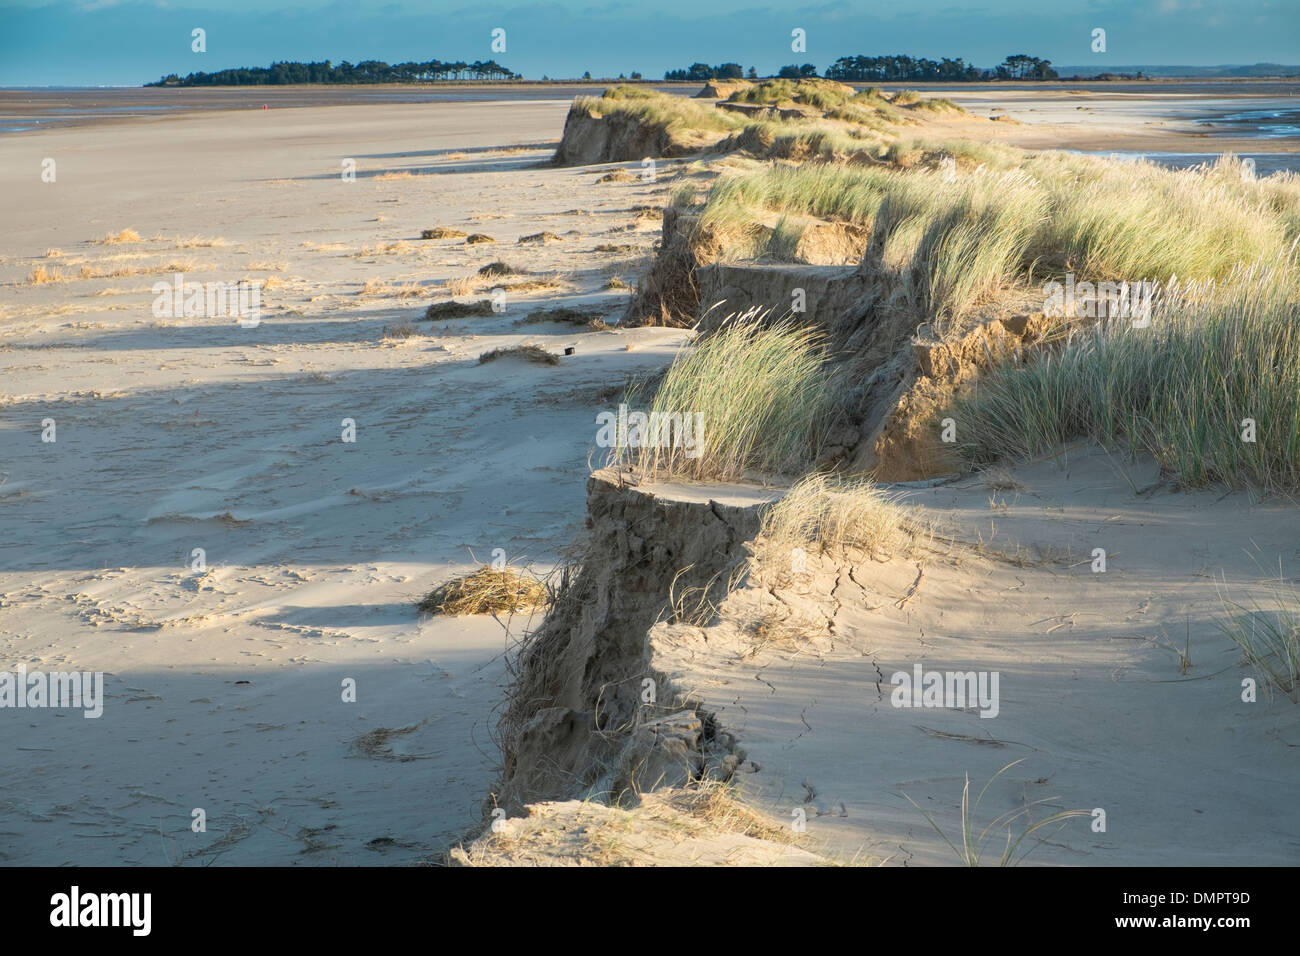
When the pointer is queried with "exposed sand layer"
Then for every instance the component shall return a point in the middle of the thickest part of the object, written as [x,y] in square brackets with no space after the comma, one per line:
[1117,691]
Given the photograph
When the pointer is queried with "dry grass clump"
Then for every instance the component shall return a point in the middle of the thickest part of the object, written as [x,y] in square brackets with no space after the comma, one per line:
[54,253]
[478,238]
[617,176]
[41,276]
[832,514]
[442,232]
[499,268]
[386,249]
[409,290]
[458,310]
[485,591]
[266,265]
[715,804]
[117,238]
[538,284]
[385,177]
[200,242]
[530,353]
[466,285]
[121,272]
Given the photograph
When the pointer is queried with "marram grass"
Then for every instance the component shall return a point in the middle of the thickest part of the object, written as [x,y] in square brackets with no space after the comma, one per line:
[970,235]
[1211,387]
[758,391]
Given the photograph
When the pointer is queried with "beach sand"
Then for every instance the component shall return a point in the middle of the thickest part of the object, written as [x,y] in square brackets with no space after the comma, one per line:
[224,688]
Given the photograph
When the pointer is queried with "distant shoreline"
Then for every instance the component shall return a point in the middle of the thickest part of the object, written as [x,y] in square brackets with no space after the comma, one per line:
[1164,105]
[1063,82]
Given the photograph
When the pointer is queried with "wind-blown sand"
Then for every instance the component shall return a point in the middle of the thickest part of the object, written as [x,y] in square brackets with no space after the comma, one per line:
[177,434]
[224,688]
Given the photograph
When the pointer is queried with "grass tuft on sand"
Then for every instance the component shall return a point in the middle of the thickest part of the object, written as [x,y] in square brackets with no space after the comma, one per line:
[42,276]
[118,238]
[830,514]
[485,591]
[499,268]
[530,353]
[758,394]
[458,310]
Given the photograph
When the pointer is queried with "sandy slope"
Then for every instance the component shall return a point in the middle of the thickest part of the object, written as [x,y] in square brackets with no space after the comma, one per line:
[179,433]
[1092,692]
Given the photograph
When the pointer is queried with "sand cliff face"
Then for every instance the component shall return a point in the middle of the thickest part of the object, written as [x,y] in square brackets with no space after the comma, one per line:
[592,137]
[589,713]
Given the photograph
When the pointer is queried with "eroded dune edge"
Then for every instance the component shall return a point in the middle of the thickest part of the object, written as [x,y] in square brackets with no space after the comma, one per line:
[717,680]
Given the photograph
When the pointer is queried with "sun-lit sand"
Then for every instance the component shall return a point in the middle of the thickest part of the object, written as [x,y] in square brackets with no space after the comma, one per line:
[175,434]
[226,684]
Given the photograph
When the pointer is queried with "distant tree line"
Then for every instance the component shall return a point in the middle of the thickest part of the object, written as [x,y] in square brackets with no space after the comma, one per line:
[875,69]
[368,71]
[702,71]
[1018,66]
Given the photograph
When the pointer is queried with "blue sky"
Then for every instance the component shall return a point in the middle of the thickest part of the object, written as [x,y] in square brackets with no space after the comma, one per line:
[128,42]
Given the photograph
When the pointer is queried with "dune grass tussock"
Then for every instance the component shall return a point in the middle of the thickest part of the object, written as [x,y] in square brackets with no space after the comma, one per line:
[822,94]
[118,238]
[42,276]
[958,239]
[530,353]
[499,268]
[750,397]
[458,310]
[810,140]
[965,154]
[669,113]
[832,513]
[1269,637]
[1211,387]
[938,104]
[485,591]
